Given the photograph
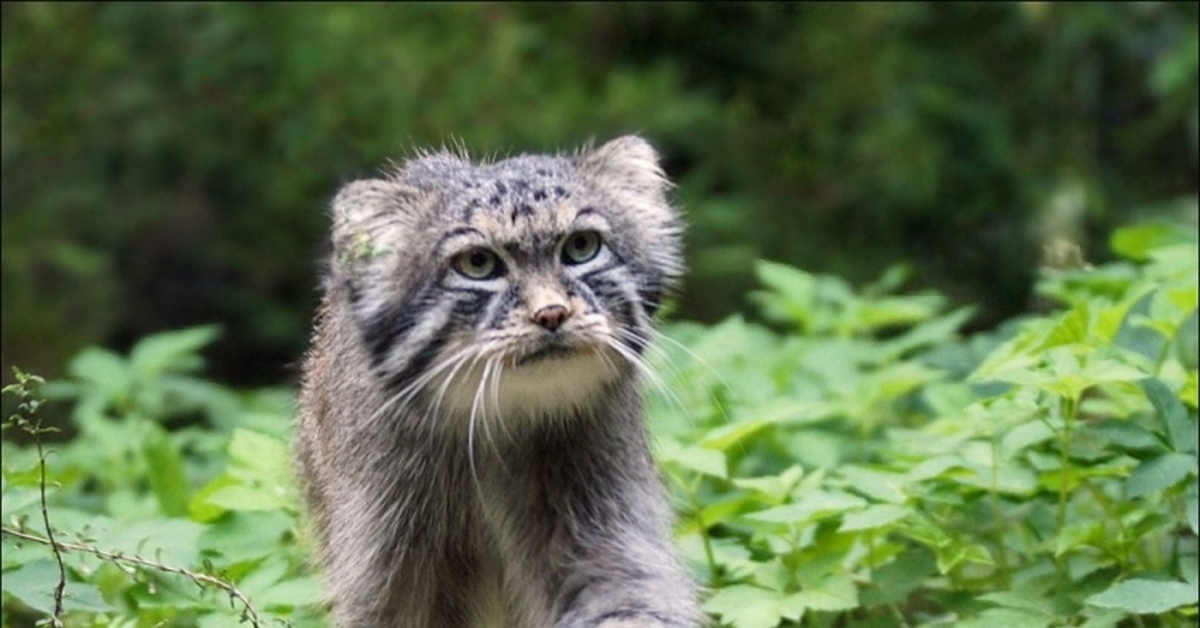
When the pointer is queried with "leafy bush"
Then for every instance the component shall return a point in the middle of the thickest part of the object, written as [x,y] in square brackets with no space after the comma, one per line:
[866,468]
[854,462]
[173,490]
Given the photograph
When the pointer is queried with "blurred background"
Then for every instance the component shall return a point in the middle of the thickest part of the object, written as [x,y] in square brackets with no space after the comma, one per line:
[169,165]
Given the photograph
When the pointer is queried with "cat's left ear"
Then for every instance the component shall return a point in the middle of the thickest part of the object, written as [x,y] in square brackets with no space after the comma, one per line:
[627,163]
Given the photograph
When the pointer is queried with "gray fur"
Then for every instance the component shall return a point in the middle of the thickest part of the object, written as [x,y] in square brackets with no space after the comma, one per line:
[472,447]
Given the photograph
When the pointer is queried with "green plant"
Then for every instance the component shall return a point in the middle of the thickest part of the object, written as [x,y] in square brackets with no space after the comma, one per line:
[876,471]
[173,504]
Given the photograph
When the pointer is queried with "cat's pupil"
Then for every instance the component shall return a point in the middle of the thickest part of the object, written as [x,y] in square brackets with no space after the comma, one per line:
[581,247]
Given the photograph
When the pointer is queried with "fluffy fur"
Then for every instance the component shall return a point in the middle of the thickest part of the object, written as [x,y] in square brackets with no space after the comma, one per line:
[470,437]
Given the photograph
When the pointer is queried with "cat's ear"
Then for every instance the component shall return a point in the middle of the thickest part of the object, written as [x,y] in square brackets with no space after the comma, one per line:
[628,163]
[364,210]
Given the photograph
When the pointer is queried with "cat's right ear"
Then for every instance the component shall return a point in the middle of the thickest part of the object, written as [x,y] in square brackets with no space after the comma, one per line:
[363,214]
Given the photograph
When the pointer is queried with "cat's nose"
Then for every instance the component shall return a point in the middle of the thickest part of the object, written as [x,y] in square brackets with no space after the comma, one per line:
[551,317]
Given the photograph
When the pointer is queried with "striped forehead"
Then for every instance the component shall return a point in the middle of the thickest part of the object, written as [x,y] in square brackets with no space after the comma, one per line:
[516,203]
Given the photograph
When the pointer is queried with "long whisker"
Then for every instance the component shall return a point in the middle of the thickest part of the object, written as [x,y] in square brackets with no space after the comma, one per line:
[677,372]
[476,402]
[409,392]
[639,363]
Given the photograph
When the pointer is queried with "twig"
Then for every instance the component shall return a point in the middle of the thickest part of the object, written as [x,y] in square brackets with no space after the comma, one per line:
[33,426]
[61,586]
[116,557]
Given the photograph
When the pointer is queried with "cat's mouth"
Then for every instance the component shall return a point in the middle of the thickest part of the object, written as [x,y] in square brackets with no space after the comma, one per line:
[556,351]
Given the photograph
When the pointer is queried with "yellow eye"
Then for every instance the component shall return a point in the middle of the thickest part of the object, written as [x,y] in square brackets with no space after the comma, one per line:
[580,247]
[478,263]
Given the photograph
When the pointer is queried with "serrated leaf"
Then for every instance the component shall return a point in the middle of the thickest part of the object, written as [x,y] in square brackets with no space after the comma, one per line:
[835,592]
[880,485]
[812,506]
[953,555]
[774,487]
[700,459]
[33,583]
[1177,425]
[1006,617]
[171,351]
[747,606]
[257,456]
[1024,600]
[874,517]
[166,474]
[1159,473]
[894,581]
[1145,596]
[104,369]
[726,436]
[1023,436]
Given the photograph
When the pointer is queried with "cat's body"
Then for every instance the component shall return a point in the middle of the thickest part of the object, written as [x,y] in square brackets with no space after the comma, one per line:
[471,437]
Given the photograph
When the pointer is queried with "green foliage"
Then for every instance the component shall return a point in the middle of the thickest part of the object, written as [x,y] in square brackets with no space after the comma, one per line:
[878,471]
[169,165]
[858,463]
[172,506]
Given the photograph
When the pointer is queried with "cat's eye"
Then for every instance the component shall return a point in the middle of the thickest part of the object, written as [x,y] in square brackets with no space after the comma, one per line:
[580,247]
[478,263]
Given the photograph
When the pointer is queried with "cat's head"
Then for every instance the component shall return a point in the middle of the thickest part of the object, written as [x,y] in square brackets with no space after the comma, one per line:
[520,286]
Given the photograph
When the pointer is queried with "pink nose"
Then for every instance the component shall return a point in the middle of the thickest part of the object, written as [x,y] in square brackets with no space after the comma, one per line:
[551,317]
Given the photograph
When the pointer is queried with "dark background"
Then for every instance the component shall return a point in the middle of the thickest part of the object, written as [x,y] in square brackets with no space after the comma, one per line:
[170,165]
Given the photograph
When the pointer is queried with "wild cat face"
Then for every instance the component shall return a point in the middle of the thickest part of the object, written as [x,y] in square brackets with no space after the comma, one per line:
[522,286]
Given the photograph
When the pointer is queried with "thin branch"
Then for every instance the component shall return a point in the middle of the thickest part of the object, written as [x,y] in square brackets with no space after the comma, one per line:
[118,558]
[61,586]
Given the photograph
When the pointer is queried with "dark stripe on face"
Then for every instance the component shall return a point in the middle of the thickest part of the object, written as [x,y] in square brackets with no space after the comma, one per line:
[503,304]
[389,327]
[598,271]
[618,304]
[422,360]
[583,291]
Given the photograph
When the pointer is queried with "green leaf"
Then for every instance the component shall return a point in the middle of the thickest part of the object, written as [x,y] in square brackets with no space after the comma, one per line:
[1193,509]
[835,592]
[811,506]
[1006,617]
[746,606]
[700,459]
[1145,596]
[1024,436]
[1135,242]
[33,583]
[873,517]
[774,487]
[166,474]
[894,581]
[1031,601]
[1159,473]
[1187,341]
[172,351]
[880,485]
[1178,426]
[728,435]
[955,554]
[257,456]
[104,369]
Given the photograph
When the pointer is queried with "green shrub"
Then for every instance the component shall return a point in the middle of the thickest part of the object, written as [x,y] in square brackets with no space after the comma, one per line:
[867,468]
